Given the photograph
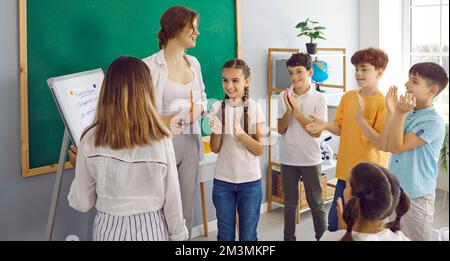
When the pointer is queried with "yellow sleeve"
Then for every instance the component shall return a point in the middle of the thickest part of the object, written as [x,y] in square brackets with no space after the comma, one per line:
[380,118]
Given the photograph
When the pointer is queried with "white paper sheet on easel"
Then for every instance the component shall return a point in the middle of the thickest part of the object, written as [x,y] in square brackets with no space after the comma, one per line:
[76,96]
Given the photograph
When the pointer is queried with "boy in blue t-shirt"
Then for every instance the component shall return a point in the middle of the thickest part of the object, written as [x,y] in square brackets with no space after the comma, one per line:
[414,133]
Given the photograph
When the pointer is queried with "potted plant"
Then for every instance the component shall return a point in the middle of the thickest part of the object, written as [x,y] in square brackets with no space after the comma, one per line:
[314,31]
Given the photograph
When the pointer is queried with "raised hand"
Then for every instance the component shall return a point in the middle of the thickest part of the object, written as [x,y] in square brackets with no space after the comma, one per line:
[360,109]
[176,123]
[317,126]
[73,155]
[286,101]
[294,103]
[237,129]
[406,103]
[392,99]
[216,125]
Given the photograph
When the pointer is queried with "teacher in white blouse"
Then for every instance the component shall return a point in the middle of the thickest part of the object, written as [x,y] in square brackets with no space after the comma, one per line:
[180,96]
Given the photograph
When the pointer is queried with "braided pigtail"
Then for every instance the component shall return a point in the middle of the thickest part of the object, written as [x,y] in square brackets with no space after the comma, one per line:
[351,215]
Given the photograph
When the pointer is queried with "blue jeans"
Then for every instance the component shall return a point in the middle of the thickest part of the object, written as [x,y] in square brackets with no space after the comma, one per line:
[332,215]
[246,198]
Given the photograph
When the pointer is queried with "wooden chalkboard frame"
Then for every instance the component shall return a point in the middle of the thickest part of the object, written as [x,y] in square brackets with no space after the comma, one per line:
[23,53]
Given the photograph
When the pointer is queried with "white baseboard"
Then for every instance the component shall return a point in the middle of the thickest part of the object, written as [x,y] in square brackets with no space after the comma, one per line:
[198,230]
[212,225]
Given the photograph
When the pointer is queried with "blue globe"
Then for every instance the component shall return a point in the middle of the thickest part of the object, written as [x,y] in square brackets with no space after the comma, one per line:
[320,71]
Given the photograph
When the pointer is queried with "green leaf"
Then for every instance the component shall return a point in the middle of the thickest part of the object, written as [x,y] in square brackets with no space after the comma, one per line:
[300,25]
[311,29]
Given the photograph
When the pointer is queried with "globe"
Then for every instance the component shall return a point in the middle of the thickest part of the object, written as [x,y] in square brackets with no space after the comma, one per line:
[320,71]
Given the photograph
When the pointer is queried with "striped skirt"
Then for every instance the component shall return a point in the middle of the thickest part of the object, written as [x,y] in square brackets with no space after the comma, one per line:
[150,226]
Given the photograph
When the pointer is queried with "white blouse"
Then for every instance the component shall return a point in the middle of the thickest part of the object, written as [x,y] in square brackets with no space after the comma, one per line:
[126,182]
[160,75]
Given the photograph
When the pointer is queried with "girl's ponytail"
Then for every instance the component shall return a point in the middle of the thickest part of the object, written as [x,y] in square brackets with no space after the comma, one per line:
[223,112]
[245,100]
[400,210]
[351,215]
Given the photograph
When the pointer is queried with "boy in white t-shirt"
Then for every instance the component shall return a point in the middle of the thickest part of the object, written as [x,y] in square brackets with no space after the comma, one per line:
[237,183]
[300,154]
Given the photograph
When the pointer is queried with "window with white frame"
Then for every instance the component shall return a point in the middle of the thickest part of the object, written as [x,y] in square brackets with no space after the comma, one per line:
[426,39]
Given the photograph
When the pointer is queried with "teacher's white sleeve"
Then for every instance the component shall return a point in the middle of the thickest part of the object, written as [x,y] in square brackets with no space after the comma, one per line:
[204,101]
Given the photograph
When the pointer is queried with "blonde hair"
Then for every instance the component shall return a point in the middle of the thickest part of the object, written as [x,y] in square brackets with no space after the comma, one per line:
[126,114]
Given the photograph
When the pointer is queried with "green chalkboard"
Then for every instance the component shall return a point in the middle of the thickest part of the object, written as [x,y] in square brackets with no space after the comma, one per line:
[70,36]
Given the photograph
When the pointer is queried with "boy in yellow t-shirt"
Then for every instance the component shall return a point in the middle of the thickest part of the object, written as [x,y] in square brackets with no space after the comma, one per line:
[359,121]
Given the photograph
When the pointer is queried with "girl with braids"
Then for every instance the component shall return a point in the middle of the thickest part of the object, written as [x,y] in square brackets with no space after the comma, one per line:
[180,90]
[237,183]
[371,195]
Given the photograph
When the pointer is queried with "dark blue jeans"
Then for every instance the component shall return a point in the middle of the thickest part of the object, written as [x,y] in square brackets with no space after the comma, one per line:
[246,198]
[332,215]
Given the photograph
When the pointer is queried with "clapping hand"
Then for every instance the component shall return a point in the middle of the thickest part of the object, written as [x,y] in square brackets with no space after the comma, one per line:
[317,126]
[237,130]
[406,103]
[287,102]
[392,99]
[215,125]
[294,103]
[360,109]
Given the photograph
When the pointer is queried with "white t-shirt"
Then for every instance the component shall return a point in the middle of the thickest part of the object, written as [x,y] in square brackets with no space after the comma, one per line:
[235,163]
[160,74]
[385,235]
[297,147]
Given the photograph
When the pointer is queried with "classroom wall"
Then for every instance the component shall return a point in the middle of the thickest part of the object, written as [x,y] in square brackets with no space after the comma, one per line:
[369,26]
[24,203]
[265,29]
[391,40]
[381,26]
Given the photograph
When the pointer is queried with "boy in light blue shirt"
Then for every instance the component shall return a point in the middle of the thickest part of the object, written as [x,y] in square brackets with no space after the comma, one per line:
[414,133]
